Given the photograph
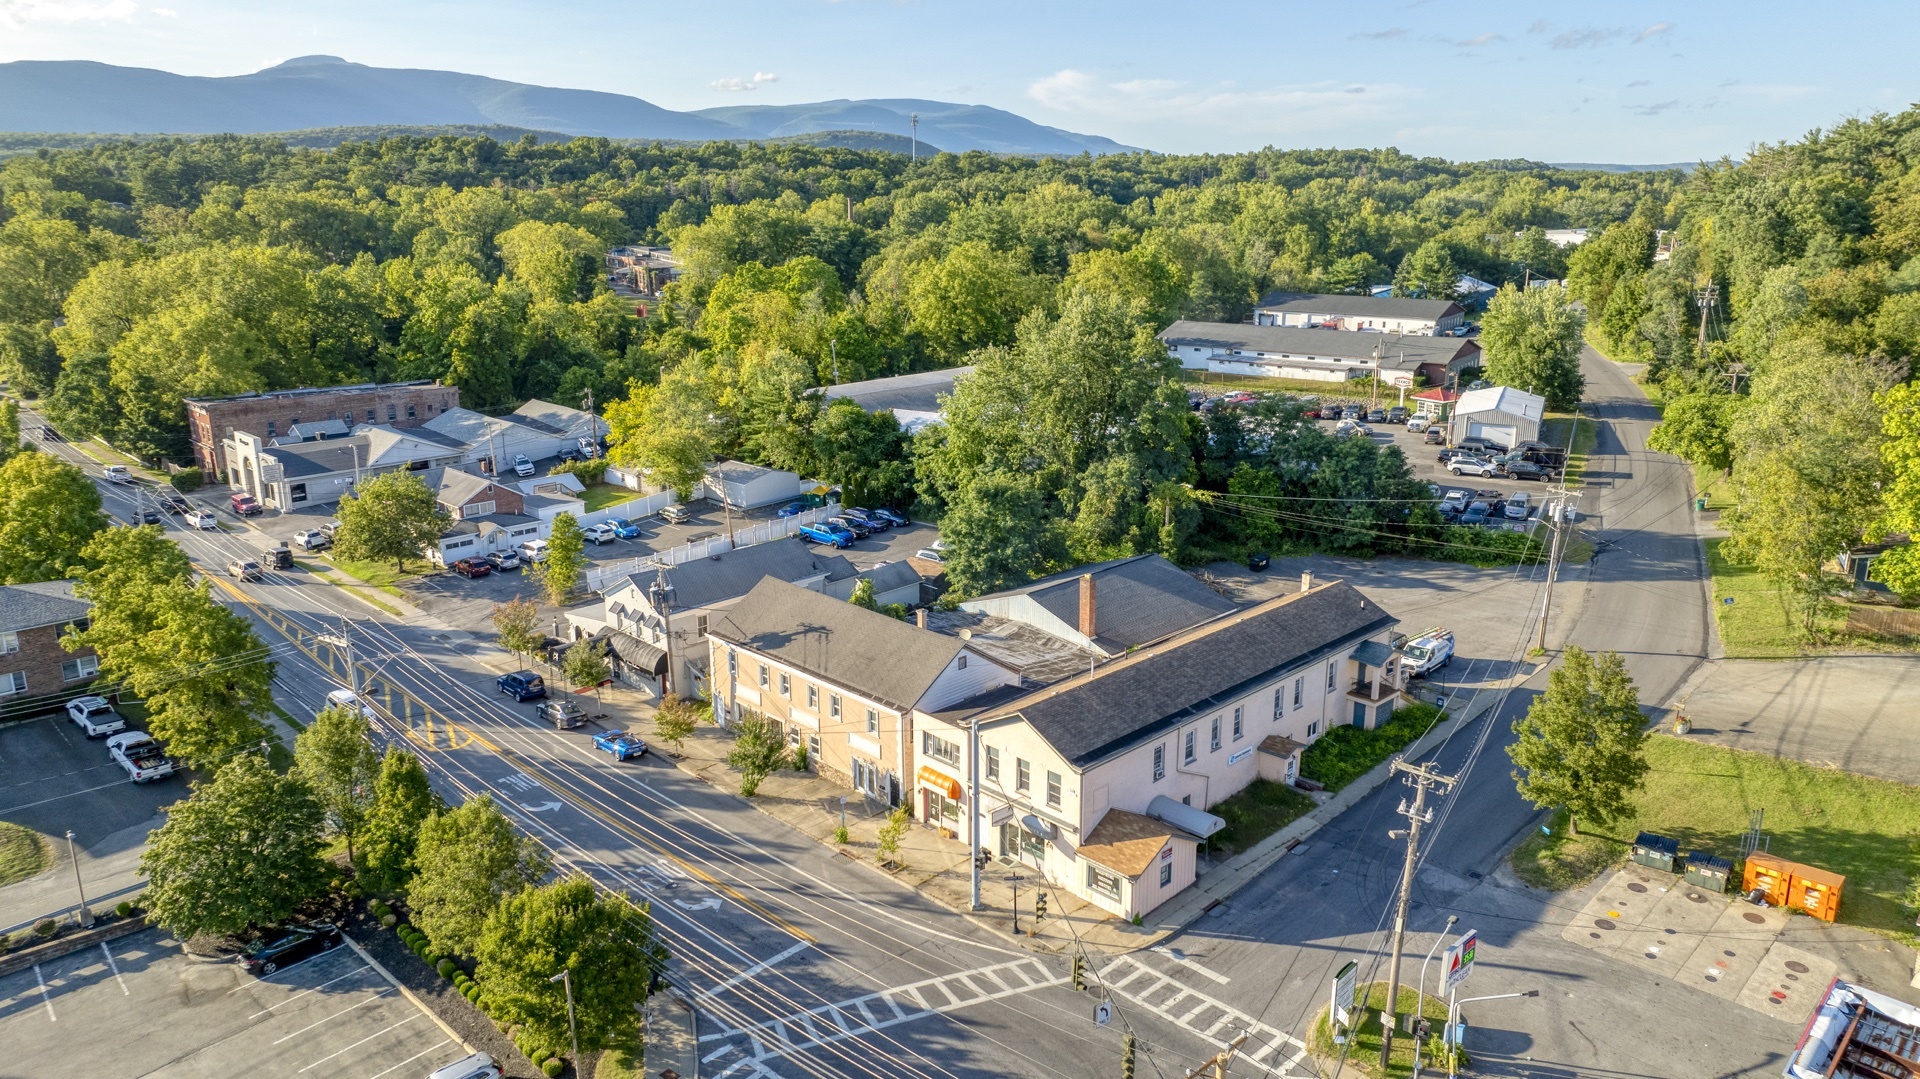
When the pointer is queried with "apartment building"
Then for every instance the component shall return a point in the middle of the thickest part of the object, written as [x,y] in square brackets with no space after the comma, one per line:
[34,667]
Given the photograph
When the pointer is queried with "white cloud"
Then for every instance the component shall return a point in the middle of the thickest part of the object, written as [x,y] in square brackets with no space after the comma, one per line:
[1585,38]
[1482,39]
[17,12]
[1659,29]
[1267,112]
[734,84]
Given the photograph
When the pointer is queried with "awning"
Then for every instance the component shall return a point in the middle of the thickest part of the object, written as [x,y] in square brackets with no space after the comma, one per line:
[636,654]
[939,781]
[1373,654]
[1184,817]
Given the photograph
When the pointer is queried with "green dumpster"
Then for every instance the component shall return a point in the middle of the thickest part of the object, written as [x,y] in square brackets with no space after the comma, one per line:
[1709,871]
[1700,504]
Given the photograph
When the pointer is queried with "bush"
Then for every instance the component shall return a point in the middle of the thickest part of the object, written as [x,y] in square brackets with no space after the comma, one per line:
[389,920]
[46,928]
[554,1067]
[446,968]
[123,909]
[472,993]
[539,1057]
[592,471]
[1346,753]
[1486,547]
[840,835]
[188,480]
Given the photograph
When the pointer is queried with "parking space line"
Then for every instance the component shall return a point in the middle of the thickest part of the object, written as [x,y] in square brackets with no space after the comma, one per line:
[357,1044]
[452,1035]
[44,998]
[315,989]
[409,1060]
[334,1016]
[290,966]
[104,950]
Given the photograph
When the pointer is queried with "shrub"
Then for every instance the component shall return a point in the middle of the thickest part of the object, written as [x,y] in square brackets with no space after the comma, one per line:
[554,1067]
[539,1056]
[1346,753]
[445,967]
[123,909]
[389,920]
[45,928]
[472,993]
[591,471]
[840,835]
[188,480]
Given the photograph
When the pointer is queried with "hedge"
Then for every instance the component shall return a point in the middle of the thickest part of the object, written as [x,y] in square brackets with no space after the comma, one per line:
[1346,753]
[445,967]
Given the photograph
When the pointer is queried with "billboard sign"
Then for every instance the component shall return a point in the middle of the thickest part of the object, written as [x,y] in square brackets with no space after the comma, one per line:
[1459,958]
[1343,994]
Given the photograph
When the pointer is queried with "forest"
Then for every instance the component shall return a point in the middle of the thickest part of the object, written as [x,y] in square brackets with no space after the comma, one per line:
[134,274]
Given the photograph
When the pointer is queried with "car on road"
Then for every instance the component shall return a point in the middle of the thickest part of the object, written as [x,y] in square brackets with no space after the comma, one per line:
[522,685]
[245,506]
[624,527]
[144,517]
[860,529]
[1523,470]
[793,509]
[1428,651]
[599,534]
[94,715]
[48,434]
[204,520]
[1471,466]
[565,715]
[141,756]
[118,474]
[477,1066]
[502,561]
[931,555]
[282,948]
[173,503]
[893,517]
[534,550]
[831,534]
[521,466]
[676,514]
[621,744]
[276,557]
[312,540]
[472,567]
[348,699]
[245,569]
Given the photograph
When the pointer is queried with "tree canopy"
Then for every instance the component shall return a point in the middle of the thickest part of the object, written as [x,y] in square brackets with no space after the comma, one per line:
[1582,743]
[392,516]
[466,861]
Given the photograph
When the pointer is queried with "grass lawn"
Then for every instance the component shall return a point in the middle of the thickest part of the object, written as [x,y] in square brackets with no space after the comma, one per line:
[1555,860]
[1346,752]
[22,853]
[325,576]
[601,495]
[1255,813]
[1363,1050]
[1553,431]
[1867,829]
[625,1060]
[1756,624]
[1715,485]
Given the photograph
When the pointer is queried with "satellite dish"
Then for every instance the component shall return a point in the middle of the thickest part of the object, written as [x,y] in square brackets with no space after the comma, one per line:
[966,635]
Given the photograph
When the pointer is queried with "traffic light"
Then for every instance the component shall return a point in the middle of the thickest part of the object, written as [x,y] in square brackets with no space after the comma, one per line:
[1079,974]
[1039,906]
[1126,1055]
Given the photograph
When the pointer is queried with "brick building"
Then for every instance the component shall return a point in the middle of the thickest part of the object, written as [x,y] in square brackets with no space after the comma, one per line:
[33,666]
[211,421]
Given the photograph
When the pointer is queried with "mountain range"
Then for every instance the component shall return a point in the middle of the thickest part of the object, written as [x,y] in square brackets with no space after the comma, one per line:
[327,91]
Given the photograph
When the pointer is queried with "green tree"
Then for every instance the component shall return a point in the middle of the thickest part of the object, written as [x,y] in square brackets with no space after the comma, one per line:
[887,844]
[403,799]
[605,943]
[758,751]
[1899,567]
[1582,743]
[863,594]
[335,757]
[1697,428]
[49,510]
[861,451]
[9,430]
[1428,271]
[666,431]
[565,566]
[392,516]
[1532,343]
[467,860]
[243,850]
[973,296]
[516,625]
[586,665]
[674,722]
[1001,530]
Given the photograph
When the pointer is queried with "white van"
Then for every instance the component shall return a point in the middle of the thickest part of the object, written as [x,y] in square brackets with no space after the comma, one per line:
[346,698]
[477,1066]
[534,551]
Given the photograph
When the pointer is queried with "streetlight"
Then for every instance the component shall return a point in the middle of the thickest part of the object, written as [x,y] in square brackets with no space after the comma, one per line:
[1420,997]
[1453,1017]
[85,915]
[565,978]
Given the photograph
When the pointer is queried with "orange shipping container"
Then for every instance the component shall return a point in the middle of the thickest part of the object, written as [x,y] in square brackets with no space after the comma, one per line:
[1769,873]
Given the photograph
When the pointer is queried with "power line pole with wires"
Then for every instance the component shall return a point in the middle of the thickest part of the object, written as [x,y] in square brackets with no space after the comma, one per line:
[1706,298]
[1422,778]
[1558,513]
[1218,1062]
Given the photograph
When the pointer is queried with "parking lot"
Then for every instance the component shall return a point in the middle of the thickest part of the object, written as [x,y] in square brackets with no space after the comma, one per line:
[140,1006]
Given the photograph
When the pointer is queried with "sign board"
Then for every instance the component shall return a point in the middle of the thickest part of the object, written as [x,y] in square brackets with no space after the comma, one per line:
[1343,994]
[1103,1012]
[1241,755]
[1459,958]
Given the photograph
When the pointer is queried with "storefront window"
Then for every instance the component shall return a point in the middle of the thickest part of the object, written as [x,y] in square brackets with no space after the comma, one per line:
[1102,882]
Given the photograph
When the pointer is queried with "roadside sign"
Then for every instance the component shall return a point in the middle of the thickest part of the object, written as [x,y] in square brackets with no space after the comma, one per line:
[1459,958]
[1343,994]
[1103,1012]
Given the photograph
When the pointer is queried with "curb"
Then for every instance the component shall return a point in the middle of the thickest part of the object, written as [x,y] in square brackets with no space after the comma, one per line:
[405,992]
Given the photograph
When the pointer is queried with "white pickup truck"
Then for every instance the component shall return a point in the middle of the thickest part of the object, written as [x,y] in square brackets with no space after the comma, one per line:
[1428,651]
[95,715]
[141,756]
[118,474]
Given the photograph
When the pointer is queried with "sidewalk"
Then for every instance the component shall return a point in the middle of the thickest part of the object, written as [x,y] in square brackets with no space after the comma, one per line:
[108,879]
[672,1044]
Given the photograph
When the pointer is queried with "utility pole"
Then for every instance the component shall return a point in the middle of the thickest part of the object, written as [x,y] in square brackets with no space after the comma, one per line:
[833,346]
[1218,1062]
[565,978]
[1556,511]
[973,813]
[1421,777]
[85,914]
[914,119]
[1706,298]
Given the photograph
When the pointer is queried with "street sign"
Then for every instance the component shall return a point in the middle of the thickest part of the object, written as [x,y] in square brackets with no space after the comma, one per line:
[1343,994]
[1103,1012]
[1459,958]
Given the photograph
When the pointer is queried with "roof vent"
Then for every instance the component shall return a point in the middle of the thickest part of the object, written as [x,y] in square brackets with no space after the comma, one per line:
[966,635]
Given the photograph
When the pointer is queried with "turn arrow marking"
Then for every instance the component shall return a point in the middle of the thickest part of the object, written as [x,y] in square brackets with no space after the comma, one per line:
[541,808]
[709,903]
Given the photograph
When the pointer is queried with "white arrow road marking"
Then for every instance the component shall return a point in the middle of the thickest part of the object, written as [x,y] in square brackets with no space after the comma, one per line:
[541,808]
[709,903]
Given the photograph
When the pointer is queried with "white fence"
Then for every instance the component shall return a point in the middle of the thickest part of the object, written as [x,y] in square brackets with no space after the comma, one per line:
[603,574]
[644,506]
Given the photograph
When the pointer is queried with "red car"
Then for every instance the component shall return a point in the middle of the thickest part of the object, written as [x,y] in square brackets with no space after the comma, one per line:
[244,506]
[471,567]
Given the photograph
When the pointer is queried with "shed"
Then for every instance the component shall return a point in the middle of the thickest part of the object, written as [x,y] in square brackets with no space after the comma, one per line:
[1708,870]
[746,486]
[1656,851]
[1500,414]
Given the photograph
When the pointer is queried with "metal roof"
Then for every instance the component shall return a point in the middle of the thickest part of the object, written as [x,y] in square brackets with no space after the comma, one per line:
[1298,342]
[1352,306]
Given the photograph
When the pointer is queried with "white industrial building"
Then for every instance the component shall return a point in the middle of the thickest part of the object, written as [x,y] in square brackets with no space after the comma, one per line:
[1317,355]
[1500,414]
[1378,314]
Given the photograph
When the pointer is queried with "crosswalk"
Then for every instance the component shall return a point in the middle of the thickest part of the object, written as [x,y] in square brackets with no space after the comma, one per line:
[1271,1049]
[743,1053]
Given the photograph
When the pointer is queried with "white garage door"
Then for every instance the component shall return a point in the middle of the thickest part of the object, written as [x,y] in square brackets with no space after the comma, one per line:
[1501,434]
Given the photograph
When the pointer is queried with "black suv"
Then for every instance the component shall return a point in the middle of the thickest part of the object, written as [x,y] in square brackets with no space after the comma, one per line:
[288,946]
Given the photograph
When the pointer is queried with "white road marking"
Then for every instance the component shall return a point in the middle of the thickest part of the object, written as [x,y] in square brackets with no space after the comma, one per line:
[1269,1048]
[116,969]
[410,1060]
[751,972]
[334,1016]
[1189,964]
[359,1043]
[304,992]
[44,998]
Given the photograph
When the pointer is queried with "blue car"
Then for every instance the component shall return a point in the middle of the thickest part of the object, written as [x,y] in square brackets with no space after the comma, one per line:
[793,509]
[832,535]
[868,518]
[622,745]
[522,685]
[623,528]
[892,517]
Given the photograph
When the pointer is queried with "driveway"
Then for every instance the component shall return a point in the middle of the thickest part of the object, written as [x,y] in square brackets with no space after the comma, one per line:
[1854,713]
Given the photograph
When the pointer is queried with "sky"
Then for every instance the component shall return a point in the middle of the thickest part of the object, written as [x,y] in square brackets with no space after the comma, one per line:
[1620,82]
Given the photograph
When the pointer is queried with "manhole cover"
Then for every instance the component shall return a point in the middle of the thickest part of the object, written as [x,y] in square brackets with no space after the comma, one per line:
[1603,923]
[1653,953]
[1754,918]
[1776,997]
[1595,936]
[1636,886]
[1729,955]
[1793,977]
[1713,974]
[1670,932]
[1797,966]
[1696,897]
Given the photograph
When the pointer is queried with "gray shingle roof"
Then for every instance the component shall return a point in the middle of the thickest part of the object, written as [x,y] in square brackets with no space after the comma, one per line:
[703,582]
[48,603]
[1301,342]
[917,392]
[1092,716]
[1400,307]
[876,656]
[1136,600]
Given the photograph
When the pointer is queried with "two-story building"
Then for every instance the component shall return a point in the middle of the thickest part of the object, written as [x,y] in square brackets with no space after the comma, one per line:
[1379,314]
[855,687]
[212,421]
[1320,355]
[485,516]
[34,667]
[298,474]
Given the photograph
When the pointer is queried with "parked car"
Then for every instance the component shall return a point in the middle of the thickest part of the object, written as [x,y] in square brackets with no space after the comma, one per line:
[1419,424]
[565,715]
[621,744]
[1352,412]
[1398,414]
[1471,466]
[245,569]
[893,517]
[204,520]
[312,540]
[1428,651]
[624,527]
[1376,415]
[1435,436]
[472,567]
[931,555]
[1476,514]
[282,949]
[330,529]
[141,756]
[599,534]
[118,474]
[276,557]
[1524,470]
[534,550]
[824,532]
[522,685]
[244,505]
[174,503]
[1455,500]
[1516,506]
[477,1066]
[1477,446]
[872,520]
[521,466]
[503,560]
[95,715]
[793,509]
[858,528]
[676,514]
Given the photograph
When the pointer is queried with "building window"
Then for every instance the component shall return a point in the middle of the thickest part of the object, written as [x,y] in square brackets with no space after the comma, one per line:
[937,747]
[9,643]
[813,698]
[1238,727]
[1330,669]
[786,686]
[272,429]
[391,414]
[410,413]
[733,664]
[1313,729]
[764,677]
[1166,874]
[369,415]
[297,492]
[1279,702]
[74,670]
[993,765]
[873,721]
[1186,753]
[1053,789]
[1215,735]
[1159,763]
[700,626]
[1298,684]
[1022,775]
[962,665]
[13,684]
[1102,882]
[833,705]
[813,751]
[475,509]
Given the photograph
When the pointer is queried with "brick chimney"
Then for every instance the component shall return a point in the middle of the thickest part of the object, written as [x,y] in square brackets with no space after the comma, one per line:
[1089,607]
[1306,581]
[920,618]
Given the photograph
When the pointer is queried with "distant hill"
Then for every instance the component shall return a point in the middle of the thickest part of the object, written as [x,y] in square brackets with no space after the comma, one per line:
[1585,166]
[318,93]
[13,143]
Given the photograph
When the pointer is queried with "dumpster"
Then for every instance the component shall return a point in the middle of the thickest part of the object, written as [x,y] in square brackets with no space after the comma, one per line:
[1815,891]
[1708,870]
[1768,874]
[1655,851]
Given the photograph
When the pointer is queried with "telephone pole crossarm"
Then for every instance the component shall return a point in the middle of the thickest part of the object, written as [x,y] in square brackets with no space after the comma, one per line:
[1422,778]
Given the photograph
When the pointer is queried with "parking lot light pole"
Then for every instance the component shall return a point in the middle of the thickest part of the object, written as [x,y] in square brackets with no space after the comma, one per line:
[85,914]
[565,978]
[1421,994]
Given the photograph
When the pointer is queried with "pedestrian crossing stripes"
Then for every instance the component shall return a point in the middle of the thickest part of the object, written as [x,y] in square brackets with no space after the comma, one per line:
[1271,1049]
[863,1015]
